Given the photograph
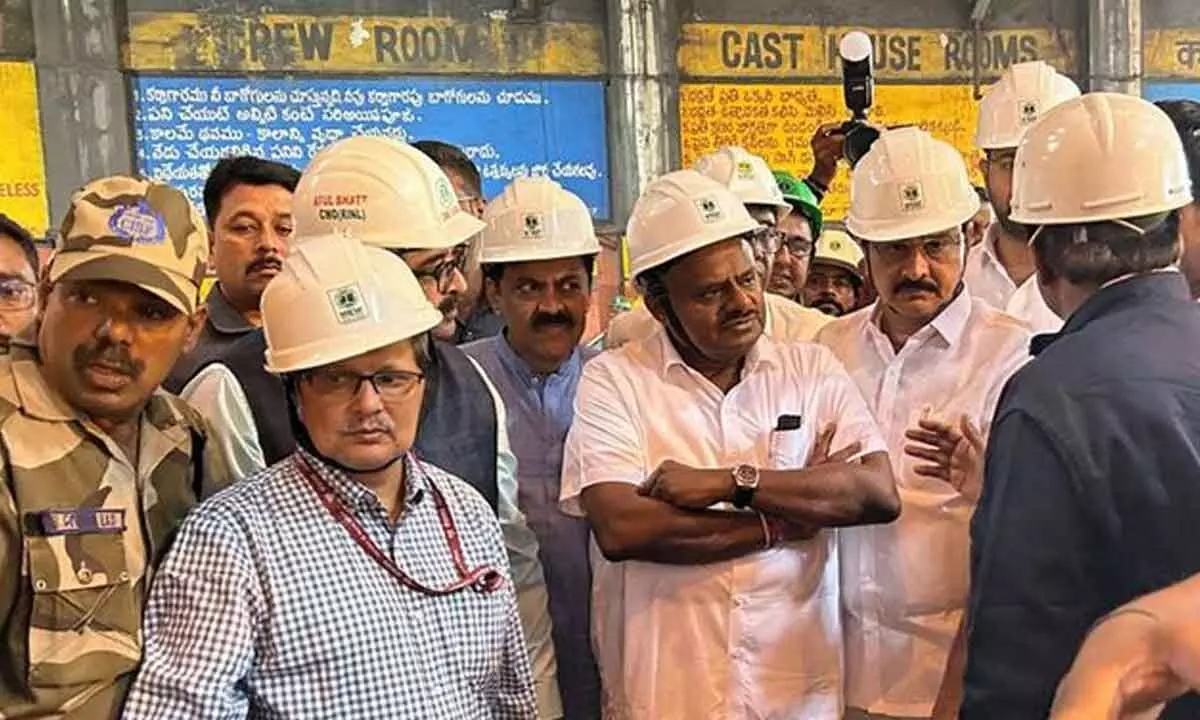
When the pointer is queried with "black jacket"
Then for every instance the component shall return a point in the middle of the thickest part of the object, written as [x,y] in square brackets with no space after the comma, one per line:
[1092,491]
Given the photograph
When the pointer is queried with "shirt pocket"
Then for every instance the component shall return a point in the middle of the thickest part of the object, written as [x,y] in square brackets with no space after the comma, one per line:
[789,449]
[85,620]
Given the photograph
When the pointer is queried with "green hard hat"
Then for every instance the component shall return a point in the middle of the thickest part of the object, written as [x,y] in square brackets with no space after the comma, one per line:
[801,198]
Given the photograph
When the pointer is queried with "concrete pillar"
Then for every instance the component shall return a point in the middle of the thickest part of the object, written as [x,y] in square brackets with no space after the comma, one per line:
[1115,46]
[85,109]
[642,106]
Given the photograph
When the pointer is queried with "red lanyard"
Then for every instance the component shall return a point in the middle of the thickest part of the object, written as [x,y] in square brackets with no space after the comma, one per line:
[482,579]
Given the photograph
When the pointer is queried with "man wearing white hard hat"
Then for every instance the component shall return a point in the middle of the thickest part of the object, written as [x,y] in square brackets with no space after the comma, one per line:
[750,179]
[355,578]
[537,253]
[932,362]
[1091,494]
[711,461]
[1000,269]
[391,195]
[835,280]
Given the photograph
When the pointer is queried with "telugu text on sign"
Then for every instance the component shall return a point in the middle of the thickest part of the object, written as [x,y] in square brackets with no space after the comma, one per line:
[510,128]
[777,121]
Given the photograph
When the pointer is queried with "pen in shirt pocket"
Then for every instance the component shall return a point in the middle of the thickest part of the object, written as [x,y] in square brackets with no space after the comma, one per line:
[786,427]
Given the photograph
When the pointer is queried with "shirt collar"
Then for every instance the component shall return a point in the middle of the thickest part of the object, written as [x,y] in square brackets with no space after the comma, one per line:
[517,366]
[38,399]
[949,324]
[988,247]
[360,498]
[761,353]
[1152,287]
[162,425]
[223,316]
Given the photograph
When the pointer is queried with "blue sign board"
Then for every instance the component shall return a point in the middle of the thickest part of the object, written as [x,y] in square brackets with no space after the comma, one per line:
[1171,91]
[509,128]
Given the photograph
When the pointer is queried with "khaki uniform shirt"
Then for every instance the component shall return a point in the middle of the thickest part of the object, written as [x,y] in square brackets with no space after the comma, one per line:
[80,532]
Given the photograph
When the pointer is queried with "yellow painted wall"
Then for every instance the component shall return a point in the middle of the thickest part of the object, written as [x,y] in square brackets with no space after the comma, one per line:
[179,41]
[22,168]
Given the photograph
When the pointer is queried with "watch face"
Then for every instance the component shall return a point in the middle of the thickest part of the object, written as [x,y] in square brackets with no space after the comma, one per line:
[746,476]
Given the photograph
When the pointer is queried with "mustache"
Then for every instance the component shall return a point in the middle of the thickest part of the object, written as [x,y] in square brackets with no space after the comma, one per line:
[376,423]
[916,285]
[544,320]
[110,355]
[448,304]
[732,319]
[269,262]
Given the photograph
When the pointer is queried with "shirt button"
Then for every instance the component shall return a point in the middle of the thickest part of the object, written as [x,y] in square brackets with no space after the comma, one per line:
[84,575]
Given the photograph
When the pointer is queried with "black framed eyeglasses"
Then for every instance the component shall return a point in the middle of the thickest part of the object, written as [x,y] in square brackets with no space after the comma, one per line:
[343,385]
[442,274]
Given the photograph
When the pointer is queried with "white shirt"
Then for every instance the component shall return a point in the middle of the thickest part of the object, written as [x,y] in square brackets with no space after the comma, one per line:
[217,394]
[904,585]
[783,320]
[755,637]
[988,280]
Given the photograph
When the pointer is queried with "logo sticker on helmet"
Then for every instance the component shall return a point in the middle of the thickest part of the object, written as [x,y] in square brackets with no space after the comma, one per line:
[445,193]
[1029,112]
[710,211]
[348,304]
[745,170]
[912,197]
[138,224]
[535,227]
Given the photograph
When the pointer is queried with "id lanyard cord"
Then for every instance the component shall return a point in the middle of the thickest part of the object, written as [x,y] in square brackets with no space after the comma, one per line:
[482,579]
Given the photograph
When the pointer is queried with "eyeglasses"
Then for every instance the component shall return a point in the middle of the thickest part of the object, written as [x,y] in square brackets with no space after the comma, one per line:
[797,245]
[442,274]
[343,385]
[17,294]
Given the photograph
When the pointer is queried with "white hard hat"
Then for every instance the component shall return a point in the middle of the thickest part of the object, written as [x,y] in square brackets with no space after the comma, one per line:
[679,213]
[335,299]
[1023,94]
[909,185]
[536,219]
[1102,156]
[837,248]
[385,193]
[747,175]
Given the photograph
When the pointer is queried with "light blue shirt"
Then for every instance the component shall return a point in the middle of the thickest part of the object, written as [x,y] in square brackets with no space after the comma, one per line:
[540,411]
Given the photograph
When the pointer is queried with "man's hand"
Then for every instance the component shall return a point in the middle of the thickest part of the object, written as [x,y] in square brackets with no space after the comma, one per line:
[1126,669]
[688,488]
[955,453]
[828,148]
[821,454]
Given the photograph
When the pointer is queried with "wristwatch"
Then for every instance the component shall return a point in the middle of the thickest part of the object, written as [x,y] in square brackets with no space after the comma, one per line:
[745,480]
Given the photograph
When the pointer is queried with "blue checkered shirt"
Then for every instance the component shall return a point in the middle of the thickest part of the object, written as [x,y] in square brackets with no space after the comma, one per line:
[266,608]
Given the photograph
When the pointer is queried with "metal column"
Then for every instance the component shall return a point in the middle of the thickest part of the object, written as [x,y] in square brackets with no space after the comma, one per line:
[82,92]
[640,98]
[1115,46]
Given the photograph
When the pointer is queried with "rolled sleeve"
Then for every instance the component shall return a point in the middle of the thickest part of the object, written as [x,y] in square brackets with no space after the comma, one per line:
[533,601]
[1033,590]
[219,397]
[604,443]
[198,627]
